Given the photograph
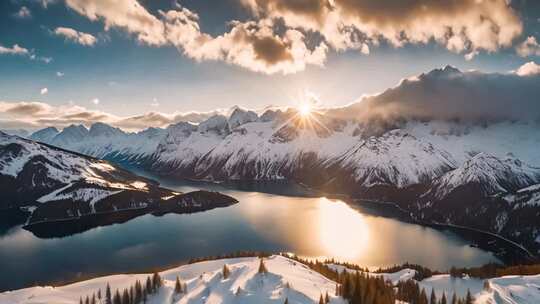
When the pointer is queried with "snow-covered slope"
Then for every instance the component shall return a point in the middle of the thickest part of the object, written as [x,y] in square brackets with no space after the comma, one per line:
[45,135]
[285,279]
[54,184]
[103,141]
[491,174]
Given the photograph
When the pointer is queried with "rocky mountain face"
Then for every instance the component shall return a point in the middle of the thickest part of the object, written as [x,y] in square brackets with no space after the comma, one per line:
[51,186]
[449,172]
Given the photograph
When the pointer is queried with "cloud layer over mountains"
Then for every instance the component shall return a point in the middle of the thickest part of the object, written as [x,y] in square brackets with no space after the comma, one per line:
[445,93]
[452,94]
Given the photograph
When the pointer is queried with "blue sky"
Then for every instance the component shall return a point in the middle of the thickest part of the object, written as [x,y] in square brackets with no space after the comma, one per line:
[129,76]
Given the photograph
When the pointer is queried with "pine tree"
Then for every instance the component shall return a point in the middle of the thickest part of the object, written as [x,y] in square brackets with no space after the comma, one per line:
[87,300]
[131,295]
[468,297]
[262,267]
[117,299]
[138,292]
[144,296]
[238,291]
[286,301]
[454,298]
[156,281]
[423,297]
[125,297]
[177,286]
[149,288]
[337,290]
[80,300]
[321,300]
[433,297]
[327,298]
[226,272]
[93,300]
[443,298]
[108,299]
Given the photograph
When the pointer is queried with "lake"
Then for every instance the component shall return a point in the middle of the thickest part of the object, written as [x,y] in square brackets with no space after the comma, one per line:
[308,226]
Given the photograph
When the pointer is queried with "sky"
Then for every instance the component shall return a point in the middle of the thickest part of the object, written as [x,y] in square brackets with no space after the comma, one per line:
[112,59]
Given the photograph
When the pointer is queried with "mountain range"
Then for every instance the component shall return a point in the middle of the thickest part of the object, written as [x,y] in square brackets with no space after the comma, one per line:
[482,172]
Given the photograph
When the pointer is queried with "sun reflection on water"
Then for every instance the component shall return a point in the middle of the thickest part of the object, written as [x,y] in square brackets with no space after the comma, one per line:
[342,233]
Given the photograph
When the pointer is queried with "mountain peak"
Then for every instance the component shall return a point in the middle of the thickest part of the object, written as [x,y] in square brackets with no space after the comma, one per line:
[103,129]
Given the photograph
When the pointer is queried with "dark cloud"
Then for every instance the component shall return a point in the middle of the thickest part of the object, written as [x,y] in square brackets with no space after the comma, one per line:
[24,108]
[451,94]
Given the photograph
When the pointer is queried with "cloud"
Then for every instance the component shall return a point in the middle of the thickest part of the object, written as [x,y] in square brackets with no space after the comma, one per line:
[461,25]
[33,115]
[529,47]
[45,3]
[126,14]
[528,69]
[76,36]
[59,74]
[21,51]
[451,94]
[44,91]
[23,13]
[14,50]
[25,108]
[95,101]
[275,40]
[253,44]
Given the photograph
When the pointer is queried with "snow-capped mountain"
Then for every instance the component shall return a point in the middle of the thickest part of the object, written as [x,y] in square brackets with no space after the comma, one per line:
[490,174]
[52,185]
[45,135]
[441,170]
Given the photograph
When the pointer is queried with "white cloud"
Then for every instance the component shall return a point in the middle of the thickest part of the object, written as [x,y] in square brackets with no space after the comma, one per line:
[45,3]
[76,36]
[529,47]
[275,41]
[154,103]
[126,14]
[14,50]
[470,56]
[95,101]
[59,74]
[23,13]
[44,91]
[528,69]
[38,114]
[461,25]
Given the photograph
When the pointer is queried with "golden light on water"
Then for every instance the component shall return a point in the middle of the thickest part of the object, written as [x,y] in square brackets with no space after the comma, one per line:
[343,234]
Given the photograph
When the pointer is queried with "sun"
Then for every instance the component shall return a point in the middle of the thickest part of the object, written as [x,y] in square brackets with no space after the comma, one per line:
[305,109]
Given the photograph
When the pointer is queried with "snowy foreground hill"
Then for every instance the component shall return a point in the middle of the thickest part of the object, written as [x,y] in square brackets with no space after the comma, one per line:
[285,279]
[51,187]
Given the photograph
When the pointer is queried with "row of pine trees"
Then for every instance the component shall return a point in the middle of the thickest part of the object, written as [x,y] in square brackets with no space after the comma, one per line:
[138,293]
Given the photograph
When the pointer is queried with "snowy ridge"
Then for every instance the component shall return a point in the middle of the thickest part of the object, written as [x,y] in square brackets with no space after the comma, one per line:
[396,158]
[286,279]
[61,166]
[493,175]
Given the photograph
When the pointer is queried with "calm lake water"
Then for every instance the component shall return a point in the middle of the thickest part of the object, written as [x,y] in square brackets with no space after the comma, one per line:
[309,226]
